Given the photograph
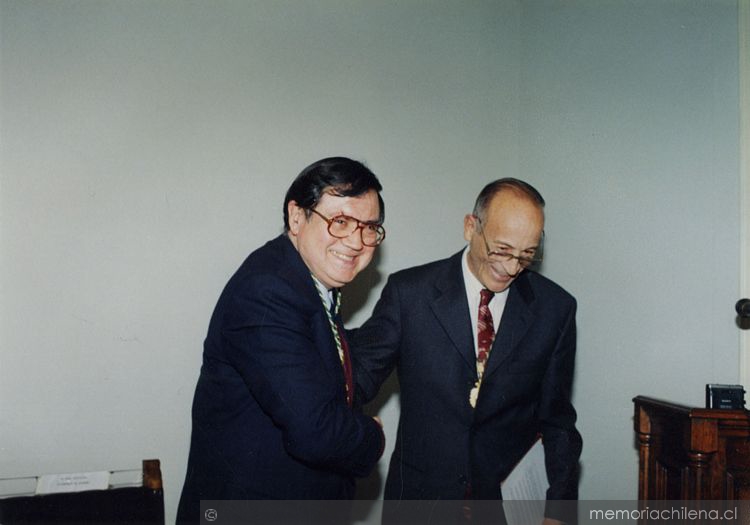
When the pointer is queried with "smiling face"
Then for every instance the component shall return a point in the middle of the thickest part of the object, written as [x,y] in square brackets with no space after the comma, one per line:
[512,223]
[334,262]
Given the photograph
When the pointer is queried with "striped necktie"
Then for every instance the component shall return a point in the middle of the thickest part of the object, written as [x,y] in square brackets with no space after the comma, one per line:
[485,338]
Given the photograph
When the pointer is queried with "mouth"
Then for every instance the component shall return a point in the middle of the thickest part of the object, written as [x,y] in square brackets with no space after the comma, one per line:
[499,275]
[342,256]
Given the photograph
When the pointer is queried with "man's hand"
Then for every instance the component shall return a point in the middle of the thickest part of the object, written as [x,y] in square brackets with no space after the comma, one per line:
[550,521]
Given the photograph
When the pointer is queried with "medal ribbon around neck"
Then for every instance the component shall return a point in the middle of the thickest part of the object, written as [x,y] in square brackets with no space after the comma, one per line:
[331,322]
[337,339]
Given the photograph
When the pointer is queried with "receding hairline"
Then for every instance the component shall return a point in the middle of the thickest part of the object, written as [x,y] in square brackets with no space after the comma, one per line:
[516,187]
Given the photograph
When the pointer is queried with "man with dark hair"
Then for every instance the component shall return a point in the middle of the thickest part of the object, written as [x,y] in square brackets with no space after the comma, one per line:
[272,412]
[472,403]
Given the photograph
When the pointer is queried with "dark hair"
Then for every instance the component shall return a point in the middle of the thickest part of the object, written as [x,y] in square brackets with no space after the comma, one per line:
[493,188]
[342,176]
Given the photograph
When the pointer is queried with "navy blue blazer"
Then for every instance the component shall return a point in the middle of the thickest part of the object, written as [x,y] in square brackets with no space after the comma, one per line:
[270,417]
[421,325]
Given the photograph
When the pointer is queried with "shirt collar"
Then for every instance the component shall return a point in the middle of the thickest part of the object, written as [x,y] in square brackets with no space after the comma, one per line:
[325,293]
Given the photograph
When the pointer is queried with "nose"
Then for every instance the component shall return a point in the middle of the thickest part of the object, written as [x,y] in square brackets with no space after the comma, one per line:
[512,267]
[354,240]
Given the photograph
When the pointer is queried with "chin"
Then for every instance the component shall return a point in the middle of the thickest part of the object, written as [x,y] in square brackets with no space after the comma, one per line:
[501,286]
[344,279]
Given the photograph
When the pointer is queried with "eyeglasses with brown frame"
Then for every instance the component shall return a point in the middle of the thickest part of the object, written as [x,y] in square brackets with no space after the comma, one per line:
[342,226]
[503,256]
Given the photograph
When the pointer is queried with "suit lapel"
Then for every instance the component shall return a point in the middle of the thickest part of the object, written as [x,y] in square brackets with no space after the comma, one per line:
[296,271]
[451,309]
[517,317]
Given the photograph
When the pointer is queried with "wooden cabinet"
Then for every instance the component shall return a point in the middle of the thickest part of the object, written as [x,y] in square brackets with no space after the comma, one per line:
[691,453]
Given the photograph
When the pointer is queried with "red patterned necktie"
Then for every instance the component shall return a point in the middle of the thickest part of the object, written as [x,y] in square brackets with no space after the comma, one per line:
[485,329]
[485,338]
[343,347]
[346,362]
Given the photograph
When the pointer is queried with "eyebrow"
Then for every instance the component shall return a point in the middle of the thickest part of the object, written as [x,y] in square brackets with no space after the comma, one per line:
[503,244]
[340,213]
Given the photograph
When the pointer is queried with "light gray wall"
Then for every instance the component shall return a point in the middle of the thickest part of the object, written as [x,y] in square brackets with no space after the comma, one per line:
[145,148]
[630,125]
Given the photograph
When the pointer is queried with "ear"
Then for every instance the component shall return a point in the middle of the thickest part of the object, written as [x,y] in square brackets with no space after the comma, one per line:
[469,226]
[296,217]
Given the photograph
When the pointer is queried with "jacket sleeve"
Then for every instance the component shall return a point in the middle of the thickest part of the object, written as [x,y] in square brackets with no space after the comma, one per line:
[375,345]
[273,344]
[562,442]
